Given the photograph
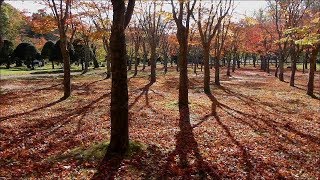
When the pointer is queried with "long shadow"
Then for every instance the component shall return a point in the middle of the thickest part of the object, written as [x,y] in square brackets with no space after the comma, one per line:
[51,125]
[31,111]
[145,91]
[47,105]
[108,167]
[186,145]
[214,105]
[271,123]
[245,155]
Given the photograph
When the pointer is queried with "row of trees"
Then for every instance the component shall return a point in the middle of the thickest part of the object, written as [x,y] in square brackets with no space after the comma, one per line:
[288,29]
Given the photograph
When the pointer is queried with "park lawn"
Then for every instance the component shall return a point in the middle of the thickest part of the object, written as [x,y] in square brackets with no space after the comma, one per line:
[47,69]
[262,128]
[300,67]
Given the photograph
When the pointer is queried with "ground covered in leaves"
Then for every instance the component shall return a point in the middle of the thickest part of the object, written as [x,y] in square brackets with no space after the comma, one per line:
[252,126]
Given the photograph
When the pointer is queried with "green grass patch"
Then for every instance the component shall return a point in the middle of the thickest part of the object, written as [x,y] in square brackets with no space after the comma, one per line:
[47,69]
[172,105]
[94,152]
[300,67]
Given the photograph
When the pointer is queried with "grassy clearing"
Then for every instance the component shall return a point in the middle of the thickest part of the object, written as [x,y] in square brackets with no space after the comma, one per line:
[47,69]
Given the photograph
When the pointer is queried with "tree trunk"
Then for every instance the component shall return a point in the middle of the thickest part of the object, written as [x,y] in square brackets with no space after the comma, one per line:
[303,64]
[144,62]
[66,65]
[307,57]
[86,59]
[293,66]
[281,68]
[129,62]
[234,61]
[165,63]
[254,60]
[52,64]
[95,63]
[183,67]
[206,80]
[195,67]
[153,64]
[108,61]
[268,64]
[313,59]
[229,66]
[238,61]
[217,71]
[119,140]
[277,67]
[262,63]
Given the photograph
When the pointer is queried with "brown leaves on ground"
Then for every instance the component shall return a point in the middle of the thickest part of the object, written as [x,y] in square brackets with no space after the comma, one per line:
[251,126]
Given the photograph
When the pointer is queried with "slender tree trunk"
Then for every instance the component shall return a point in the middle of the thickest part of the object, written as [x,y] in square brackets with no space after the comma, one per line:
[293,66]
[234,62]
[306,59]
[82,66]
[281,68]
[86,59]
[52,64]
[66,65]
[153,64]
[165,63]
[106,48]
[145,56]
[277,68]
[313,59]
[217,71]
[303,64]
[144,62]
[108,63]
[229,66]
[206,80]
[254,60]
[130,62]
[268,64]
[136,63]
[238,61]
[262,62]
[195,67]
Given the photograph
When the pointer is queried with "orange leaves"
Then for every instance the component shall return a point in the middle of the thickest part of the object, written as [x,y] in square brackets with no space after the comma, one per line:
[42,23]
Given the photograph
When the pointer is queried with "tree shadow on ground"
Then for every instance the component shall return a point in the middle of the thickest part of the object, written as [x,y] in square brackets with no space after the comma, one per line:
[144,91]
[40,130]
[31,111]
[191,162]
[185,161]
[275,126]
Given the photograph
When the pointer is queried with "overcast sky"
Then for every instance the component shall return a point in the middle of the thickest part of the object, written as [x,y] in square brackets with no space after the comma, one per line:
[243,7]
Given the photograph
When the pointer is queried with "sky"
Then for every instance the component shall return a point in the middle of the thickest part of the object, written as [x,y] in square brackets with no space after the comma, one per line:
[243,7]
